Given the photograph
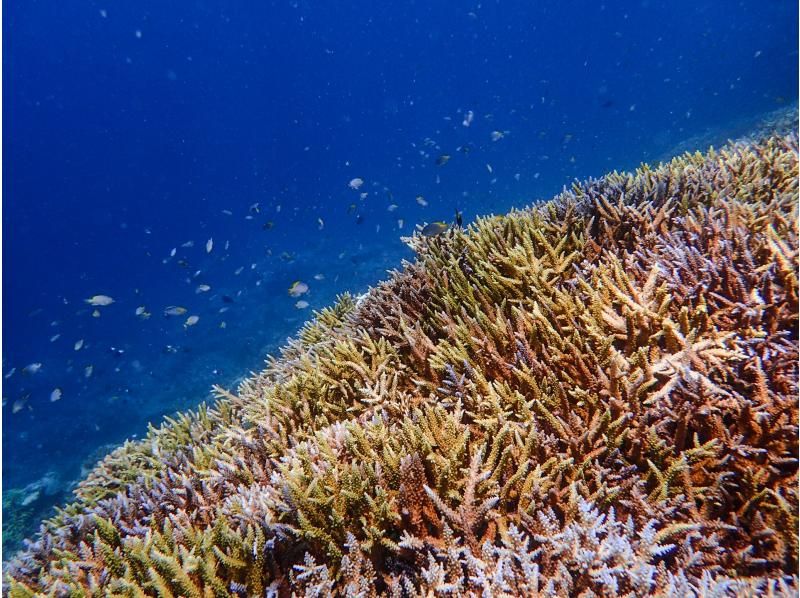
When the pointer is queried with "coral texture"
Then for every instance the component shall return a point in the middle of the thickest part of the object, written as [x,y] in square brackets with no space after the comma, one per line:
[596,396]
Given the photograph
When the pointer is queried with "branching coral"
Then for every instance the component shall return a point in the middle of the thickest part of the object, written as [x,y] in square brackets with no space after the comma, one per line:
[594,396]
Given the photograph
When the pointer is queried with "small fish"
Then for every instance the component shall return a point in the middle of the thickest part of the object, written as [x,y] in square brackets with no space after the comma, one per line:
[268,225]
[319,277]
[301,304]
[55,395]
[209,245]
[99,300]
[10,373]
[227,212]
[468,117]
[32,368]
[392,207]
[497,135]
[87,372]
[238,271]
[459,218]
[78,345]
[203,288]
[255,208]
[359,219]
[140,310]
[442,159]
[174,310]
[351,208]
[434,228]
[19,404]
[421,201]
[96,313]
[191,321]
[227,299]
[355,183]
[320,223]
[489,168]
[223,324]
[188,244]
[464,149]
[298,288]
[183,263]
[54,338]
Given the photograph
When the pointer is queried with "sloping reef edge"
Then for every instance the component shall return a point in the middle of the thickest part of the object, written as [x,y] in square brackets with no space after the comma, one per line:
[593,396]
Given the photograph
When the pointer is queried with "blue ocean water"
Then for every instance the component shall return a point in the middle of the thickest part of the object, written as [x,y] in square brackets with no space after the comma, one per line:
[132,130]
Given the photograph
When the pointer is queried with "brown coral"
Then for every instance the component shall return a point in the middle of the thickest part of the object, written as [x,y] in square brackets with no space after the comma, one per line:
[598,394]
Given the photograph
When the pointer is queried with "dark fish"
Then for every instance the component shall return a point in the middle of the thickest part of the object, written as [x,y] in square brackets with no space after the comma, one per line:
[442,160]
[459,218]
[268,225]
[434,228]
[351,208]
[359,219]
[227,299]
[183,263]
[464,149]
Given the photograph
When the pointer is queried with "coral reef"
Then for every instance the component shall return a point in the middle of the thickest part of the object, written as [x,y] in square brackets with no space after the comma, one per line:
[594,396]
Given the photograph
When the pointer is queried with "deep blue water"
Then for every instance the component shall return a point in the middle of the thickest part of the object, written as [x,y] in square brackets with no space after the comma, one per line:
[129,128]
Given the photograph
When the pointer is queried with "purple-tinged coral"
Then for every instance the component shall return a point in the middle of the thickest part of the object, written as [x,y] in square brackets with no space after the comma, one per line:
[595,396]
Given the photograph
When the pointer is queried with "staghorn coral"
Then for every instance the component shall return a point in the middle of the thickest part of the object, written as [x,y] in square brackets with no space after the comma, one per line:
[594,396]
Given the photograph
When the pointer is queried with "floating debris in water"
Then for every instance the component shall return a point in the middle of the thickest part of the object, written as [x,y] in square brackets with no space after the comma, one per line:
[174,310]
[191,321]
[355,183]
[99,300]
[55,395]
[298,288]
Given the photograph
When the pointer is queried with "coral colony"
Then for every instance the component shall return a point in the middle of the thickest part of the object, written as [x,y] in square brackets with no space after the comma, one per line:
[596,396]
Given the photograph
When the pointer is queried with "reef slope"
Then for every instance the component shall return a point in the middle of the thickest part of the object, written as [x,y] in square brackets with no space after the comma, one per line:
[596,395]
